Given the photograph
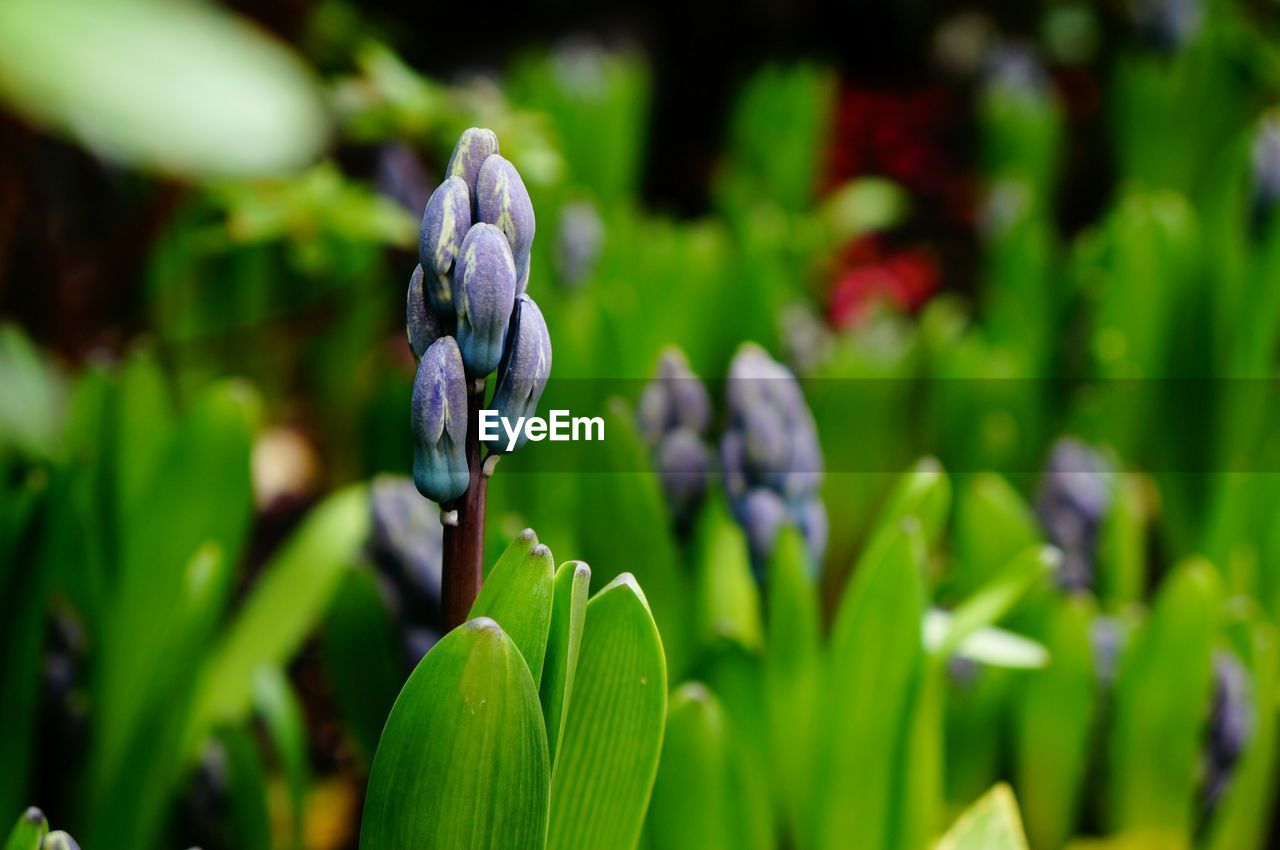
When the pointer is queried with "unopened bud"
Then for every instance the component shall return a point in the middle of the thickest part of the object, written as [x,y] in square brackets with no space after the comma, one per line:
[525,367]
[486,293]
[503,201]
[473,148]
[444,227]
[422,324]
[439,422]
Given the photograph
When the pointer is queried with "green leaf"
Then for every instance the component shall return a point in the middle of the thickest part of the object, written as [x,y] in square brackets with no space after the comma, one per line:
[1053,717]
[182,88]
[997,597]
[286,725]
[882,608]
[728,601]
[518,595]
[28,832]
[923,493]
[564,644]
[921,778]
[792,674]
[291,593]
[613,731]
[365,658]
[624,526]
[993,524]
[463,760]
[248,824]
[1122,544]
[1160,707]
[697,798]
[992,823]
[990,646]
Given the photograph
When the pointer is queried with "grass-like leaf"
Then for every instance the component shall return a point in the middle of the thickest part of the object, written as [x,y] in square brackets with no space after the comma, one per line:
[613,730]
[564,643]
[462,764]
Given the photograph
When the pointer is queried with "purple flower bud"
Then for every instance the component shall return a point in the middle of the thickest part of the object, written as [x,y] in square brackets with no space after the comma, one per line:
[1015,70]
[406,544]
[59,840]
[580,237]
[762,513]
[439,422]
[733,464]
[473,148]
[684,463]
[1230,725]
[1074,498]
[1265,162]
[421,323]
[486,294]
[503,201]
[525,367]
[675,398]
[1107,638]
[444,227]
[812,519]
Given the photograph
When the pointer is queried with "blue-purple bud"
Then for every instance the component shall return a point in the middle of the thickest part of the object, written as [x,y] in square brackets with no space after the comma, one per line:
[1265,167]
[1016,71]
[503,201]
[812,517]
[684,464]
[1074,498]
[439,422]
[675,398]
[59,840]
[1230,725]
[762,513]
[525,367]
[485,297]
[578,242]
[406,543]
[422,324]
[444,227]
[473,148]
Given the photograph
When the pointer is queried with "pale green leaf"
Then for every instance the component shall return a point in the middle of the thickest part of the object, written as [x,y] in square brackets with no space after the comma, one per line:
[992,823]
[564,643]
[517,594]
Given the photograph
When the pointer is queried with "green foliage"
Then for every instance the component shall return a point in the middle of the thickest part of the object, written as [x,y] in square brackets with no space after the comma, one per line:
[992,823]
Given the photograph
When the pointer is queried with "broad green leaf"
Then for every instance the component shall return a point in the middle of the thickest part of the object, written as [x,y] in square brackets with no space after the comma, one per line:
[291,594]
[1053,718]
[613,730]
[564,643]
[992,823]
[28,832]
[182,88]
[1160,706]
[924,493]
[997,597]
[462,763]
[276,703]
[518,595]
[792,674]
[515,552]
[624,525]
[697,798]
[881,608]
[993,524]
[728,601]
[365,658]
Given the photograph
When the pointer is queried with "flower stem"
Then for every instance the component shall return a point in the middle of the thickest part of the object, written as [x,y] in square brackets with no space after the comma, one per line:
[464,542]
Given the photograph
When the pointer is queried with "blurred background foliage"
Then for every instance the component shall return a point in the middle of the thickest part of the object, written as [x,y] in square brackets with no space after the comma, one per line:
[970,230]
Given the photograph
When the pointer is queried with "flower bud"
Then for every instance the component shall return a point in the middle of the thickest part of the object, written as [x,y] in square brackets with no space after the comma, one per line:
[578,243]
[473,148]
[1073,500]
[1264,157]
[444,227]
[1230,725]
[525,367]
[422,324]
[812,519]
[503,201]
[675,398]
[762,513]
[59,840]
[406,544]
[683,463]
[485,298]
[439,422]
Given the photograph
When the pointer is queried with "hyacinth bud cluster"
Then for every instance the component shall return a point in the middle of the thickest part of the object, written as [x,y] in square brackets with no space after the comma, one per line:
[468,314]
[674,414]
[405,546]
[1074,498]
[1230,725]
[771,459]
